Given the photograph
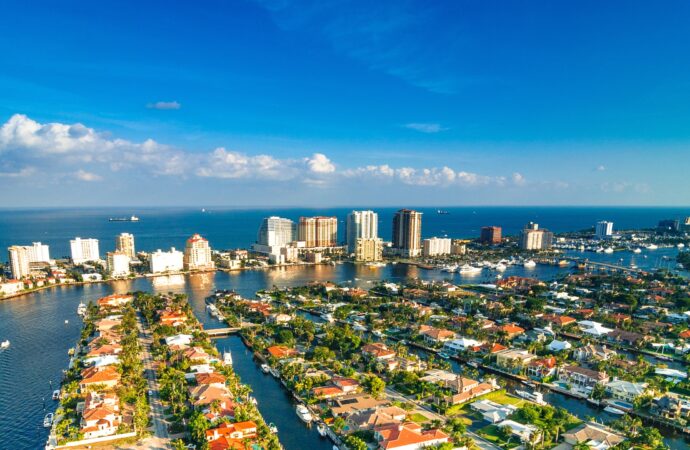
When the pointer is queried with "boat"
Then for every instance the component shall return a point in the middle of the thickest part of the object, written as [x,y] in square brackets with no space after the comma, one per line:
[56,394]
[5,344]
[321,428]
[375,264]
[253,401]
[467,269]
[536,397]
[450,268]
[303,413]
[227,358]
[615,411]
[71,351]
[500,267]
[444,355]
[563,263]
[637,250]
[124,219]
[377,333]
[608,250]
[48,420]
[328,317]
[681,245]
[652,247]
[441,211]
[529,264]
[81,309]
[274,372]
[273,428]
[66,321]
[265,368]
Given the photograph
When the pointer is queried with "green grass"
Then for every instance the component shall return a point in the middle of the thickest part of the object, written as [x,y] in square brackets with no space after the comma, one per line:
[493,434]
[502,398]
[419,418]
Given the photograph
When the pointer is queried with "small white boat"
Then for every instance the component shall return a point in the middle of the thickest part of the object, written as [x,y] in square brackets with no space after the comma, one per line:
[321,428]
[637,251]
[304,414]
[444,355]
[529,264]
[48,420]
[265,368]
[652,247]
[377,333]
[227,358]
[681,245]
[608,250]
[5,344]
[612,410]
[467,269]
[66,321]
[274,372]
[273,428]
[56,394]
[253,401]
[328,317]
[81,309]
[535,397]
[500,267]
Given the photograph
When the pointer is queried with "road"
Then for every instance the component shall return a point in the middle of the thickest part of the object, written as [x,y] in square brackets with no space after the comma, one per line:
[158,422]
[480,441]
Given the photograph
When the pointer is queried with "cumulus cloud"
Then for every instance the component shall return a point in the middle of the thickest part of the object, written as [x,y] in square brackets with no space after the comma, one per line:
[164,105]
[518,179]
[83,175]
[444,176]
[429,128]
[319,163]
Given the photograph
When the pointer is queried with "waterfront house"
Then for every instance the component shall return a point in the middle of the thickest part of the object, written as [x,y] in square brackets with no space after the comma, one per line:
[202,397]
[625,390]
[11,287]
[407,436]
[581,378]
[521,430]
[198,355]
[349,404]
[231,436]
[491,411]
[172,318]
[106,376]
[107,324]
[210,379]
[327,392]
[105,350]
[672,407]
[433,335]
[101,415]
[460,344]
[541,368]
[279,318]
[513,358]
[378,351]
[180,340]
[368,420]
[629,338]
[281,351]
[557,346]
[593,353]
[596,436]
[114,301]
[595,329]
[466,389]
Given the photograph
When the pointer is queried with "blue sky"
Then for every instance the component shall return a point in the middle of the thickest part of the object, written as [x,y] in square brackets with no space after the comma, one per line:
[344,103]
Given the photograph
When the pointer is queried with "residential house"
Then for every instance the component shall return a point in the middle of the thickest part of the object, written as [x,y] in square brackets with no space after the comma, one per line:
[625,390]
[407,436]
[115,300]
[581,378]
[629,338]
[101,415]
[540,369]
[172,318]
[281,351]
[378,351]
[368,420]
[106,376]
[524,432]
[491,411]
[231,436]
[593,353]
[435,335]
[513,358]
[672,407]
[466,389]
[596,436]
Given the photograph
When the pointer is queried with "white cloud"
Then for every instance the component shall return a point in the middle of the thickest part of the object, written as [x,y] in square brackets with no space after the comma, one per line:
[601,168]
[87,176]
[164,105]
[319,163]
[518,179]
[425,127]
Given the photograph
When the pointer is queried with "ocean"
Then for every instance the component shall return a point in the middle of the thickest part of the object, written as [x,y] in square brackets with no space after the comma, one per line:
[227,228]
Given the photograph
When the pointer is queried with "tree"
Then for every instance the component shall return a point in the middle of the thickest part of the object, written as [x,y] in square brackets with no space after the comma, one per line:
[374,385]
[355,443]
[599,392]
[179,445]
[198,424]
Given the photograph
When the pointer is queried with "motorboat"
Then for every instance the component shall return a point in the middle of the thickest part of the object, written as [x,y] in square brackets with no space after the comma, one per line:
[265,368]
[328,317]
[681,245]
[304,414]
[637,251]
[273,428]
[444,355]
[467,269]
[500,267]
[56,394]
[5,344]
[529,264]
[608,250]
[652,247]
[615,411]
[48,420]
[377,333]
[227,358]
[274,372]
[81,309]
[321,428]
[536,397]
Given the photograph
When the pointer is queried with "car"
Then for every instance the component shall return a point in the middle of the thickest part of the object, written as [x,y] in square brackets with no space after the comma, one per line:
[150,392]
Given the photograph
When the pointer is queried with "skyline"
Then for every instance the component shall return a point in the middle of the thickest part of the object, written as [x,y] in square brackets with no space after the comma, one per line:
[297,103]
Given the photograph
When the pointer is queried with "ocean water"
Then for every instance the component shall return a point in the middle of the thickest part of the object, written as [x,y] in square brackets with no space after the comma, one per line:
[237,228]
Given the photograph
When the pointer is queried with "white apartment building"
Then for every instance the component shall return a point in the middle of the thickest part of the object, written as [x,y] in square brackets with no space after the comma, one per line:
[603,230]
[534,238]
[197,254]
[368,249]
[361,224]
[117,264]
[38,253]
[19,261]
[125,243]
[83,250]
[161,262]
[436,246]
[274,234]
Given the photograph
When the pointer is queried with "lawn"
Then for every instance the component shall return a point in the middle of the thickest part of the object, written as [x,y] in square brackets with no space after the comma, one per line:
[418,417]
[503,398]
[493,434]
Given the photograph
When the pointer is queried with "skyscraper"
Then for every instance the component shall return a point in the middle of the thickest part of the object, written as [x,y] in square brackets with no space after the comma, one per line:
[125,243]
[197,254]
[172,261]
[38,253]
[361,224]
[603,230]
[490,235]
[276,232]
[318,232]
[117,264]
[407,232]
[83,250]
[534,238]
[19,261]
[436,246]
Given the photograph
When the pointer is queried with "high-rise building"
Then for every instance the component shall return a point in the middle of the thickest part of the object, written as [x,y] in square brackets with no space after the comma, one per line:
[125,243]
[603,230]
[19,261]
[490,235]
[84,250]
[458,247]
[361,224]
[38,253]
[534,238]
[368,249]
[407,232]
[318,232]
[197,254]
[436,246]
[276,232]
[161,262]
[668,226]
[117,263]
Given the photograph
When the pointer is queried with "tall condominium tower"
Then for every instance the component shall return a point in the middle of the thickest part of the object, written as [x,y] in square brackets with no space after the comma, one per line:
[361,224]
[534,238]
[318,231]
[124,243]
[84,250]
[276,232]
[197,254]
[603,230]
[407,232]
[19,261]
[490,235]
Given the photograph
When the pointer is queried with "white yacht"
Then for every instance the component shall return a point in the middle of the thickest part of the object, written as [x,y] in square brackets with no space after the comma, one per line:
[304,414]
[81,309]
[652,247]
[536,397]
[529,264]
[328,317]
[637,250]
[608,250]
[612,410]
[681,245]
[500,267]
[48,420]
[321,428]
[227,358]
[265,368]
[273,428]
[467,269]
[5,344]
[56,394]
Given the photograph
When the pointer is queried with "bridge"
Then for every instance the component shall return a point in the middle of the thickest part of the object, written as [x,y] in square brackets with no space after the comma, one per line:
[607,266]
[221,332]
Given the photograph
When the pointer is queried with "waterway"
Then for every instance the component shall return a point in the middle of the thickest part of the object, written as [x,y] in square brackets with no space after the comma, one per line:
[40,338]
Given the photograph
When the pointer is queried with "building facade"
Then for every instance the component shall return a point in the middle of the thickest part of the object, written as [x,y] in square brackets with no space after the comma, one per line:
[276,232]
[197,254]
[407,232]
[361,224]
[125,243]
[603,230]
[368,249]
[534,238]
[19,261]
[171,261]
[490,235]
[38,253]
[117,264]
[458,247]
[436,246]
[318,232]
[83,250]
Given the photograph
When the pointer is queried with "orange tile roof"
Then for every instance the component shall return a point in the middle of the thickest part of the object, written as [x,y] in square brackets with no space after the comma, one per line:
[394,436]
